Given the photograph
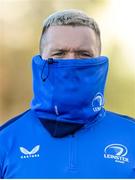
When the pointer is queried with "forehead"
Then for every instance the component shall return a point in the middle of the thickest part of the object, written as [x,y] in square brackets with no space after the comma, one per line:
[70,37]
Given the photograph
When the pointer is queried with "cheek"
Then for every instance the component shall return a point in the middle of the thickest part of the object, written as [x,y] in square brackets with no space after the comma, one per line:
[46,53]
[97,47]
[96,52]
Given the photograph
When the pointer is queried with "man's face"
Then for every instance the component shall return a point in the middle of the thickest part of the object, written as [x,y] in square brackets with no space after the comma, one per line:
[70,42]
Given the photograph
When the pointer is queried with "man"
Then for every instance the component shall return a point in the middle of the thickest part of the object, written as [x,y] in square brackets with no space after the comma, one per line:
[67,133]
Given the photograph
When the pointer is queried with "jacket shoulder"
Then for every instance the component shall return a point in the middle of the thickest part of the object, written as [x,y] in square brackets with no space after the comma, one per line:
[122,116]
[13,120]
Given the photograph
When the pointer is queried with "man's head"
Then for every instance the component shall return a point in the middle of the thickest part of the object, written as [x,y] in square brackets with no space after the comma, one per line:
[70,34]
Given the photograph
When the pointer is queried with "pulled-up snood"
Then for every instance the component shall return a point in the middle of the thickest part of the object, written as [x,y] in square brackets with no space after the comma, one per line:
[68,93]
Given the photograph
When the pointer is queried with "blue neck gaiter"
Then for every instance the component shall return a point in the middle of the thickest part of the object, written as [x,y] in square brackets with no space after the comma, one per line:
[69,90]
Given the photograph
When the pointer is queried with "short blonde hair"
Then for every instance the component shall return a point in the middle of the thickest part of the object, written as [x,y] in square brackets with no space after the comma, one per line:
[71,17]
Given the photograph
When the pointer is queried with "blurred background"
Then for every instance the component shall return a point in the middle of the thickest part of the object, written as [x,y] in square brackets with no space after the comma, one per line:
[20,28]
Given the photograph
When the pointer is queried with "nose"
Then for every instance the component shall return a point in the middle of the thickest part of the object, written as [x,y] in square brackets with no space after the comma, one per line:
[70,55]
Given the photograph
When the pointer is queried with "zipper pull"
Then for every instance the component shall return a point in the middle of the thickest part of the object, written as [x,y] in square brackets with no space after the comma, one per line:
[50,61]
[45,70]
[44,73]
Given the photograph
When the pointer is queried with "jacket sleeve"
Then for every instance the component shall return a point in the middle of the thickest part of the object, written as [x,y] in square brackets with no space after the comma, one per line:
[1,159]
[2,156]
[0,172]
[0,163]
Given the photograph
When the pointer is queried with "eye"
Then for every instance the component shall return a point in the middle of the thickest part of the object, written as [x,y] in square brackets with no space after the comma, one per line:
[58,53]
[55,54]
[85,54]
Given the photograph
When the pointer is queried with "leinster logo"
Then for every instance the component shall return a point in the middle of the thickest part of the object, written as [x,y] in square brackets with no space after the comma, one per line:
[98,102]
[117,152]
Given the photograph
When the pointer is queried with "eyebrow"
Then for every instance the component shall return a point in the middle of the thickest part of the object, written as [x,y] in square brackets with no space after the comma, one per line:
[77,51]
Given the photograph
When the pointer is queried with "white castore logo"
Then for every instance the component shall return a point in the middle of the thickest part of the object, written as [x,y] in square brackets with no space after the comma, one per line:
[30,154]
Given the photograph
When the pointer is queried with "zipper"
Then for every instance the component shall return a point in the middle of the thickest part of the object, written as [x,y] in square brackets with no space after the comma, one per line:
[45,69]
[72,166]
